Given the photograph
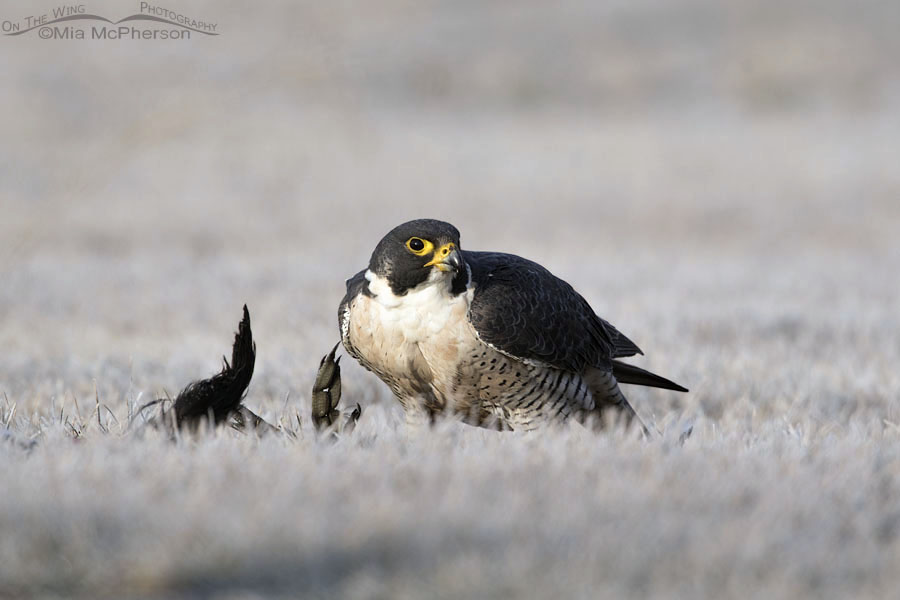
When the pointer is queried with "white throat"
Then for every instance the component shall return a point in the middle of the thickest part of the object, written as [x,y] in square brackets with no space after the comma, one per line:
[436,287]
[425,309]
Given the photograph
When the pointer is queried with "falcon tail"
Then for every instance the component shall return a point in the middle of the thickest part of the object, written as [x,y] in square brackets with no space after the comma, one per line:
[625,373]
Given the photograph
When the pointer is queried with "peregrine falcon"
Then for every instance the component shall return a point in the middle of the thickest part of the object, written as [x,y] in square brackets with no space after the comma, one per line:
[493,338]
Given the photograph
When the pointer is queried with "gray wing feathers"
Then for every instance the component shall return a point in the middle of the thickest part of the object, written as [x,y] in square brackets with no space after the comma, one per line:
[625,373]
[523,310]
[355,285]
[622,346]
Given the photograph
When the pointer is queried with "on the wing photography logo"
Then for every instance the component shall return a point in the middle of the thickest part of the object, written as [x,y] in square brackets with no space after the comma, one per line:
[74,22]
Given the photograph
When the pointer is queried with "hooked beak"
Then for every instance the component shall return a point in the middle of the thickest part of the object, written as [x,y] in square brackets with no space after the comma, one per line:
[446,258]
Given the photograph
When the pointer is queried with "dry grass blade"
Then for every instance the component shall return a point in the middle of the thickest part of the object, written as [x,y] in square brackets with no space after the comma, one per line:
[97,408]
[10,415]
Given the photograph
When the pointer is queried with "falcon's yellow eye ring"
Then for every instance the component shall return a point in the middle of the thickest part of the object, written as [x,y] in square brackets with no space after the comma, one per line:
[418,246]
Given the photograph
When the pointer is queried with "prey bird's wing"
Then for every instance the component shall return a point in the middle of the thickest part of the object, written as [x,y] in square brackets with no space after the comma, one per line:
[222,393]
[523,310]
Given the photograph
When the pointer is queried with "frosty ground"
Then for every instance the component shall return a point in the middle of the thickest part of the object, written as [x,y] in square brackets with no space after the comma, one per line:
[780,318]
[740,228]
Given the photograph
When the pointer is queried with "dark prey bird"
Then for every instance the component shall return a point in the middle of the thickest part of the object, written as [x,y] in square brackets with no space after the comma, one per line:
[219,399]
[493,338]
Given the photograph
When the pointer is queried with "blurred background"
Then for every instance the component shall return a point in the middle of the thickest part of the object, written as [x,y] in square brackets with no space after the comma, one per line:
[719,179]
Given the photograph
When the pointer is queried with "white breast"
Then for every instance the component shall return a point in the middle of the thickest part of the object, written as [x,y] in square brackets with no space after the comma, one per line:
[419,335]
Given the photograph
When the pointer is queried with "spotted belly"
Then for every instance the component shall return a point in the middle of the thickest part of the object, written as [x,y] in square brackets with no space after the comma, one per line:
[497,391]
[454,372]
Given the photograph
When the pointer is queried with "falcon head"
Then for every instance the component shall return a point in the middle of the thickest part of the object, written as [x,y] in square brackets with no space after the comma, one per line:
[416,252]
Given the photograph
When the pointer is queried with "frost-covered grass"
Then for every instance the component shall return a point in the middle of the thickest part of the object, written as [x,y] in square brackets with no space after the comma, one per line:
[773,510]
[721,183]
[789,486]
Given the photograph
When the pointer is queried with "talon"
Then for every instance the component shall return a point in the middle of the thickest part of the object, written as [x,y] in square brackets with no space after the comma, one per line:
[326,392]
[352,418]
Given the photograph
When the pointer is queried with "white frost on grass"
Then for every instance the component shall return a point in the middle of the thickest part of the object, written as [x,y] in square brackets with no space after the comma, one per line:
[779,511]
[718,179]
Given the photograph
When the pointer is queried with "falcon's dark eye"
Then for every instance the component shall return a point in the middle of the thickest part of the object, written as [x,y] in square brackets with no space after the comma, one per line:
[418,246]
